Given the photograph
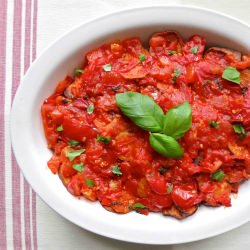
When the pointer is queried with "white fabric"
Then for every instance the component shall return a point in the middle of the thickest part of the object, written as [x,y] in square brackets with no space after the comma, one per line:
[56,17]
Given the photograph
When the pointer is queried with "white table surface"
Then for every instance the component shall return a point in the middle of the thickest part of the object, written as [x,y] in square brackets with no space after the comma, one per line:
[54,232]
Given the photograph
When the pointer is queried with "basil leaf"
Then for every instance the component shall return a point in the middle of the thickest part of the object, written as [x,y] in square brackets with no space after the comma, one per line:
[78,167]
[137,205]
[78,71]
[142,110]
[194,49]
[90,183]
[171,52]
[72,154]
[231,74]
[116,170]
[165,145]
[239,129]
[177,73]
[90,108]
[142,58]
[73,143]
[59,128]
[218,175]
[214,124]
[104,140]
[107,67]
[170,188]
[178,120]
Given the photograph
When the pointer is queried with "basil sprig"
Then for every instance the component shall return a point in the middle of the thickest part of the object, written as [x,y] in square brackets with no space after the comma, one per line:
[164,130]
[142,110]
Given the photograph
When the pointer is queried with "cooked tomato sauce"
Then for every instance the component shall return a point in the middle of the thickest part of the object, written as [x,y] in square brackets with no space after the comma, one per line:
[102,155]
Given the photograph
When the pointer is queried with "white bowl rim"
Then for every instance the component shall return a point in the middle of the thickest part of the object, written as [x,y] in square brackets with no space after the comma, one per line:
[112,234]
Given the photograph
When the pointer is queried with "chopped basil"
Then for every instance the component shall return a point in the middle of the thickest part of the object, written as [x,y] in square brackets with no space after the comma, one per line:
[78,71]
[72,154]
[194,49]
[73,143]
[218,175]
[59,128]
[104,140]
[214,124]
[177,73]
[78,167]
[171,52]
[90,108]
[231,74]
[116,170]
[90,183]
[170,188]
[107,67]
[239,129]
[142,58]
[137,205]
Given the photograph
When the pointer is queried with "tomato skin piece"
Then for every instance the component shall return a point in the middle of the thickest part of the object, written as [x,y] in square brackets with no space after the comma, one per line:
[185,196]
[76,130]
[157,184]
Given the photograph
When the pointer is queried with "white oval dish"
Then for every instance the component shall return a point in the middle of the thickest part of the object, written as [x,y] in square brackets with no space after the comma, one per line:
[58,60]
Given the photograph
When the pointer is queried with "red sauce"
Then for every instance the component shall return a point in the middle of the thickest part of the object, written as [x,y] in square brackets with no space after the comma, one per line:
[159,184]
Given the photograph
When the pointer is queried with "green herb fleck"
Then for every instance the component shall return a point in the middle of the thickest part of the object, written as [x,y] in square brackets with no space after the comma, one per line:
[218,175]
[177,73]
[116,170]
[59,128]
[170,188]
[78,72]
[78,167]
[107,67]
[171,52]
[90,108]
[104,140]
[214,124]
[90,183]
[239,129]
[142,58]
[72,154]
[73,143]
[231,74]
[137,205]
[194,49]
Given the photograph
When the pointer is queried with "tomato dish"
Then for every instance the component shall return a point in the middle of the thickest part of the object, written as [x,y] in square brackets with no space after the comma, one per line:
[161,127]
